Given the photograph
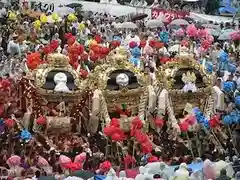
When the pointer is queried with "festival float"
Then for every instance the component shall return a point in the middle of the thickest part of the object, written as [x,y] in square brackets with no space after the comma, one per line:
[189,103]
[122,98]
[50,94]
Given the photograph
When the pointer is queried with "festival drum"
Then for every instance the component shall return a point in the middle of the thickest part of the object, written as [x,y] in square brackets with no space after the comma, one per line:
[58,124]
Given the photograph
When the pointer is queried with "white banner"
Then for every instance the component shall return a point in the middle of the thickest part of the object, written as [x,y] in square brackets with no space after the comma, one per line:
[114,9]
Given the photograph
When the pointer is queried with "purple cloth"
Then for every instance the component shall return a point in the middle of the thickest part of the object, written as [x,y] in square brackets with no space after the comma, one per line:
[2,129]
[25,165]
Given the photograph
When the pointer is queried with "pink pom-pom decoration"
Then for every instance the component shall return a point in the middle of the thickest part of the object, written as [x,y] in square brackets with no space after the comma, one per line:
[81,158]
[205,44]
[63,160]
[235,35]
[191,120]
[42,162]
[210,38]
[14,161]
[201,33]
[191,30]
[148,50]
[202,50]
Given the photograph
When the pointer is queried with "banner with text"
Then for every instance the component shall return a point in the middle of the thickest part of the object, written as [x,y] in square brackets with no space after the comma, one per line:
[168,15]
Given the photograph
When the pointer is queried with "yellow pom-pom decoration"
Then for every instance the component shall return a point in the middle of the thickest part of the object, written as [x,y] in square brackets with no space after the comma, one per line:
[81,26]
[43,18]
[55,16]
[37,24]
[71,17]
[12,16]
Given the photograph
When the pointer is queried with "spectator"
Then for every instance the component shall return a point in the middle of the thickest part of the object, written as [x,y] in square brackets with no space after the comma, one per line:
[223,175]
[37,175]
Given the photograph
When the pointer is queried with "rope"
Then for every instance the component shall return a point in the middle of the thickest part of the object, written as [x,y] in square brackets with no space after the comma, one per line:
[209,108]
[104,110]
[170,111]
[142,103]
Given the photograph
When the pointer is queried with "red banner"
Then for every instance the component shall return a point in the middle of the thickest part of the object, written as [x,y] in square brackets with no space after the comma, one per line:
[168,15]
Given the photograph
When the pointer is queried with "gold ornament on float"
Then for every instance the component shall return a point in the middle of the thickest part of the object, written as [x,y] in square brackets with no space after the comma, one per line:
[189,77]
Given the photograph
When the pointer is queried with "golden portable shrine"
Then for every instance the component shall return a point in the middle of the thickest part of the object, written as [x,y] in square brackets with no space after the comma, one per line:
[114,90]
[186,88]
[123,93]
[52,90]
[115,84]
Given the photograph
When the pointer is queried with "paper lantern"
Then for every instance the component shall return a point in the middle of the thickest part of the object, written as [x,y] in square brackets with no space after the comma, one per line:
[55,16]
[43,18]
[81,26]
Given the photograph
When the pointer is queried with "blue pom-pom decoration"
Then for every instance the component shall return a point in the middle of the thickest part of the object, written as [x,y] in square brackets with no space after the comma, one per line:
[136,52]
[228,86]
[200,117]
[117,38]
[209,67]
[232,118]
[223,57]
[227,120]
[237,100]
[232,68]
[135,61]
[25,135]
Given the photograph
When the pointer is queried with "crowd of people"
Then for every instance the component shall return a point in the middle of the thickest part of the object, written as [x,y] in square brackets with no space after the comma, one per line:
[22,34]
